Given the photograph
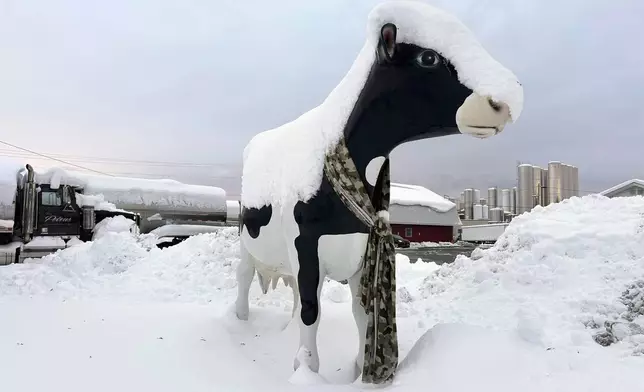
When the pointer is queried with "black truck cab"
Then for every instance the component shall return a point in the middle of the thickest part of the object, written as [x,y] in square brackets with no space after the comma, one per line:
[42,210]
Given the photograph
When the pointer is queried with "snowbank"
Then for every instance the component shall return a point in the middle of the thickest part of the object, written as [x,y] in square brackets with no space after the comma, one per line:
[522,315]
[554,277]
[284,165]
[409,195]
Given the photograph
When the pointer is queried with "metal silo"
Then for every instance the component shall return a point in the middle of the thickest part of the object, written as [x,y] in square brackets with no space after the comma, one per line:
[525,188]
[496,214]
[505,200]
[575,181]
[543,197]
[469,203]
[486,212]
[536,185]
[491,197]
[565,181]
[478,212]
[513,200]
[477,196]
[554,182]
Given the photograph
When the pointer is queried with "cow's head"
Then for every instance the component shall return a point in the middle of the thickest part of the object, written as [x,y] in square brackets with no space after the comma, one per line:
[423,95]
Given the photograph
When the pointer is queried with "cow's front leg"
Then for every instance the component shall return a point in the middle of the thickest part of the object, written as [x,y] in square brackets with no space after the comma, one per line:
[309,284]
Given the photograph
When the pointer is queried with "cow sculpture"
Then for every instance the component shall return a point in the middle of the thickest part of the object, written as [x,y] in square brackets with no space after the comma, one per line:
[421,74]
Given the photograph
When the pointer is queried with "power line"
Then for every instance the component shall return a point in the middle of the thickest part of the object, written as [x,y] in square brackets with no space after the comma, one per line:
[54,159]
[86,159]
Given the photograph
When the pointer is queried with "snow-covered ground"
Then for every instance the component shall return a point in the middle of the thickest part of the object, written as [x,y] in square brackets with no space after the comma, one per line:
[120,314]
[433,244]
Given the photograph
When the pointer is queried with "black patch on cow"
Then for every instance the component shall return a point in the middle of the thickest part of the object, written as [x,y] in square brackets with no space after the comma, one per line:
[254,219]
[323,214]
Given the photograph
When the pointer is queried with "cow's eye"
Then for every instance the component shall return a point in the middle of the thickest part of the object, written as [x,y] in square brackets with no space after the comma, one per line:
[428,59]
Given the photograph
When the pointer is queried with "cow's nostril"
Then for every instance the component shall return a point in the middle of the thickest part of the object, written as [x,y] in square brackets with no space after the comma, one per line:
[495,106]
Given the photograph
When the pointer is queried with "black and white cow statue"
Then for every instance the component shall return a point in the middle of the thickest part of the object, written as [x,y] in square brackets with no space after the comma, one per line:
[421,74]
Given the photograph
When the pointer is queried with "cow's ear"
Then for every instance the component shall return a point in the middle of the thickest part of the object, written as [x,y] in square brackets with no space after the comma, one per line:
[387,43]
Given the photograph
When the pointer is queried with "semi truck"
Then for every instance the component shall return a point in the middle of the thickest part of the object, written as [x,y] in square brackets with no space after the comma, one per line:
[41,212]
[44,218]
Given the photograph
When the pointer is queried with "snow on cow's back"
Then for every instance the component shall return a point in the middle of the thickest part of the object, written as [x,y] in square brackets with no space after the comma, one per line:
[285,165]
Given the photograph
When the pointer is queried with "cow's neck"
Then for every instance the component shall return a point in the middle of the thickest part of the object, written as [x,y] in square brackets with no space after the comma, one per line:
[369,136]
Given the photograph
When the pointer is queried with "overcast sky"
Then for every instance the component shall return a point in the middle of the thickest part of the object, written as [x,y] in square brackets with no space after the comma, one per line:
[192,81]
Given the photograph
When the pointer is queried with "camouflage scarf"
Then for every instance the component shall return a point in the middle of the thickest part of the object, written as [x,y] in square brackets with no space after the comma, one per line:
[378,281]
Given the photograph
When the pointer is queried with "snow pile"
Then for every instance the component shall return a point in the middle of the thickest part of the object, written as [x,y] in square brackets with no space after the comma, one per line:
[409,195]
[117,224]
[284,165]
[120,264]
[554,277]
[96,201]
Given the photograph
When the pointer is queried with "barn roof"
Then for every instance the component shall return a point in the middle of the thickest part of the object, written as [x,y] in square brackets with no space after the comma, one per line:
[403,194]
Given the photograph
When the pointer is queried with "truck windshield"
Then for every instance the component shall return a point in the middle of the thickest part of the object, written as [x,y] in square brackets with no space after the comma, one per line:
[50,198]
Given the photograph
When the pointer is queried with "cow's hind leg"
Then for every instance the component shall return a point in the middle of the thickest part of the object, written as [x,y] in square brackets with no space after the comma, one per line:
[309,284]
[245,274]
[360,317]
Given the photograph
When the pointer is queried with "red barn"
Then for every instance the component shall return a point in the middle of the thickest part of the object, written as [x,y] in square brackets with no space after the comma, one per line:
[420,215]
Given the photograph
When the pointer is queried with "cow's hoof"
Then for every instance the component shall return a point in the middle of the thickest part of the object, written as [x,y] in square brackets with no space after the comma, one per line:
[305,357]
[242,312]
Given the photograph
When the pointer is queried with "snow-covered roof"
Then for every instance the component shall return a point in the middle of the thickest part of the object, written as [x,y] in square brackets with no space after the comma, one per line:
[622,185]
[284,165]
[402,194]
